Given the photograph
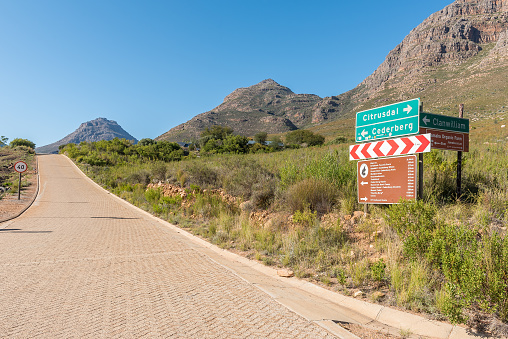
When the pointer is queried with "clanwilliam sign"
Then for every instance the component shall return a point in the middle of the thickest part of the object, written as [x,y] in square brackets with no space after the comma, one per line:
[448,133]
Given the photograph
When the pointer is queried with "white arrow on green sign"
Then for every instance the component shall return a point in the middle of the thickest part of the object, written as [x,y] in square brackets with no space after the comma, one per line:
[389,121]
[444,122]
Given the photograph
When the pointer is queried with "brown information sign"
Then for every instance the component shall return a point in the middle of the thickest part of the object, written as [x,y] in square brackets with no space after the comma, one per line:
[451,141]
[386,181]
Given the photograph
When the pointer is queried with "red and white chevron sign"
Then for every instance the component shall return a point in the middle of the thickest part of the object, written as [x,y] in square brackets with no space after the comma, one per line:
[386,148]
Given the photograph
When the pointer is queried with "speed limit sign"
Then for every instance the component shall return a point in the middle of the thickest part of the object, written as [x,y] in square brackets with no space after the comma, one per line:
[20,166]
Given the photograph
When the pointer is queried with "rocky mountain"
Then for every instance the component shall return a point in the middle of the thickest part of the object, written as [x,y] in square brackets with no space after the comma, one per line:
[95,130]
[264,107]
[451,37]
[457,55]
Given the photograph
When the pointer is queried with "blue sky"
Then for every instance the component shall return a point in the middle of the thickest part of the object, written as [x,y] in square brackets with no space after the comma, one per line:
[151,65]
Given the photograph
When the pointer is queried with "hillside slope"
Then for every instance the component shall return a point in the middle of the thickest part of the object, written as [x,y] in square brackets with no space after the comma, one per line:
[266,106]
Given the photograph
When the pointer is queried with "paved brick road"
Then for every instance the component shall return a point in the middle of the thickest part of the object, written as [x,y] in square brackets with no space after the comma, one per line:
[80,264]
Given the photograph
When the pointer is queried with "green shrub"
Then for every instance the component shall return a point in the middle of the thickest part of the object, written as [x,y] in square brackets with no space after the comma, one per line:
[153,195]
[138,177]
[414,222]
[316,194]
[202,174]
[305,217]
[301,136]
[22,142]
[159,171]
[262,197]
[378,270]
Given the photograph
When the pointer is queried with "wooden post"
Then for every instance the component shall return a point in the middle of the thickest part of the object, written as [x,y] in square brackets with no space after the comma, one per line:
[459,160]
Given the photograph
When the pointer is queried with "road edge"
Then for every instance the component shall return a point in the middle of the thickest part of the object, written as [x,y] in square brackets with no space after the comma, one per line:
[35,195]
[416,324]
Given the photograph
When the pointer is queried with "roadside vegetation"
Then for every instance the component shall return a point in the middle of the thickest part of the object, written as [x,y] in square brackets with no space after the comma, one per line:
[18,149]
[445,256]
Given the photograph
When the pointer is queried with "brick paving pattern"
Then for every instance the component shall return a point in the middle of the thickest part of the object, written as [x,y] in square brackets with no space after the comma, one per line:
[80,264]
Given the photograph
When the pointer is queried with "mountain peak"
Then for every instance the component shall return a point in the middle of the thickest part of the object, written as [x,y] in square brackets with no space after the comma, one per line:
[267,83]
[264,107]
[462,48]
[263,88]
[94,130]
[450,36]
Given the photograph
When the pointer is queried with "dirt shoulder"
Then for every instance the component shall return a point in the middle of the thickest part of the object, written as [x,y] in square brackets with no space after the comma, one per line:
[10,206]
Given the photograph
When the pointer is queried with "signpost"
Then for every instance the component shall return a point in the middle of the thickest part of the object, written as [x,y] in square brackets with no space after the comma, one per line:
[389,121]
[20,167]
[386,181]
[385,148]
[451,141]
[448,133]
[444,122]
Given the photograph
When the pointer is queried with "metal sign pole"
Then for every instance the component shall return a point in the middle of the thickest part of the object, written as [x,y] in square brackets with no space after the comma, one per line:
[420,167]
[19,187]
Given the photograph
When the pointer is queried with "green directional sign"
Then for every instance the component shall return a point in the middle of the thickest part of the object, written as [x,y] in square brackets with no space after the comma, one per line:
[444,122]
[389,121]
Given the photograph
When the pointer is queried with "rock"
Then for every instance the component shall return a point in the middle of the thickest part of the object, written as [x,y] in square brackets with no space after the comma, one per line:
[358,214]
[247,206]
[285,273]
[378,295]
[358,294]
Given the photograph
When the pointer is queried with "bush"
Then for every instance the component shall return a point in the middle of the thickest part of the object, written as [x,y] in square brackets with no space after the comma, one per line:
[263,195]
[203,174]
[138,177]
[159,170]
[316,194]
[378,270]
[472,261]
[260,137]
[414,222]
[22,142]
[300,137]
[241,178]
[153,195]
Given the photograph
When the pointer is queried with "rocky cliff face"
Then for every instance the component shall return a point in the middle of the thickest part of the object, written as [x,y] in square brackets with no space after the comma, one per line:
[448,37]
[264,107]
[457,55]
[95,130]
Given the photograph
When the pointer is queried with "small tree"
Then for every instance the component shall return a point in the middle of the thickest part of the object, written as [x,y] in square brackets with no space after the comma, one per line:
[3,141]
[276,143]
[299,137]
[22,142]
[217,132]
[146,141]
[260,137]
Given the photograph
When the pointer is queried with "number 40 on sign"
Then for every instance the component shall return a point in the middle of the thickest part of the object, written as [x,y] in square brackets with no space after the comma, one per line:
[20,166]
